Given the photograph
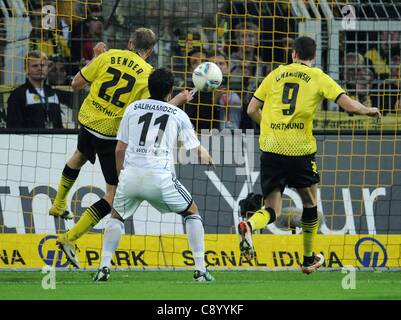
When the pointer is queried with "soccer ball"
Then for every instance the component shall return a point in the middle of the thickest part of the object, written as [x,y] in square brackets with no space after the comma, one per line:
[207,76]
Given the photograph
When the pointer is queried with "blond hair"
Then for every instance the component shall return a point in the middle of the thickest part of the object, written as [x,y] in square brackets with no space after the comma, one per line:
[34,55]
[357,56]
[143,39]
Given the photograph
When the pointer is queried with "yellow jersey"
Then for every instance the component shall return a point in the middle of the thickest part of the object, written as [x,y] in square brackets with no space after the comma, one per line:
[291,95]
[118,77]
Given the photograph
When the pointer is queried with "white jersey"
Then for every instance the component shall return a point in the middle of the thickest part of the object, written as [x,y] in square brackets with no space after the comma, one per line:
[151,129]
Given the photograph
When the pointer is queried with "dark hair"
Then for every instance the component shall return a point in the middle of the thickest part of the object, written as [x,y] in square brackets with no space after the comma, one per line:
[192,52]
[395,51]
[57,58]
[305,47]
[217,53]
[160,83]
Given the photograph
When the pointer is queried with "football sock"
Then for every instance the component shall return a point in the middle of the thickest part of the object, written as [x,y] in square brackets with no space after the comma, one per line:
[89,219]
[196,239]
[67,180]
[262,218]
[310,225]
[112,235]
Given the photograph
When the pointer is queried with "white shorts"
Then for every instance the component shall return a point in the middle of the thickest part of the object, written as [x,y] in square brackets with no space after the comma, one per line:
[160,188]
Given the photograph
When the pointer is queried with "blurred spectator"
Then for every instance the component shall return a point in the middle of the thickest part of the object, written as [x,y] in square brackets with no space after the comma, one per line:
[50,42]
[388,99]
[227,102]
[183,41]
[363,86]
[352,62]
[247,69]
[379,57]
[200,110]
[194,58]
[357,78]
[84,37]
[65,14]
[57,77]
[57,74]
[34,104]
[395,65]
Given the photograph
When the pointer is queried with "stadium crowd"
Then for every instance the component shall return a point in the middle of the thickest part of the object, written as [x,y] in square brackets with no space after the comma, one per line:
[248,52]
[371,74]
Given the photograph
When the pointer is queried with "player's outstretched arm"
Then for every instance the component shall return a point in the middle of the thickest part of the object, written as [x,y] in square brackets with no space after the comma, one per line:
[353,106]
[254,110]
[182,98]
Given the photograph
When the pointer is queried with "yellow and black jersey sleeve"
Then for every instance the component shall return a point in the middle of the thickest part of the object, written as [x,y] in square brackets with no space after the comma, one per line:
[262,91]
[91,71]
[330,89]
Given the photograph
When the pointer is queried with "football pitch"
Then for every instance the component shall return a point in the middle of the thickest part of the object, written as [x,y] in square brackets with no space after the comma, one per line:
[178,285]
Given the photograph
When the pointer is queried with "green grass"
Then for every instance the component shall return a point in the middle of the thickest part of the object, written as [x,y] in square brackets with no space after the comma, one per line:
[178,285]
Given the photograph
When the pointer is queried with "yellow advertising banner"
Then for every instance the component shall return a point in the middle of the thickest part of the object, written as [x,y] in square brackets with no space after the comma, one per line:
[169,251]
[331,120]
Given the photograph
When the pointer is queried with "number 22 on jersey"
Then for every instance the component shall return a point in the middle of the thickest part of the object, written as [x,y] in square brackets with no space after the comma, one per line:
[117,75]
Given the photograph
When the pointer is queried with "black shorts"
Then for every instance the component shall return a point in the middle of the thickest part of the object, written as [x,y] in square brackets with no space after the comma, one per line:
[278,171]
[90,145]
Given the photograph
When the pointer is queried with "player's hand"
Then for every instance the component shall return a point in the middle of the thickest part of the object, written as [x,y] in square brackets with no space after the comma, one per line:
[374,112]
[207,160]
[183,97]
[99,48]
[211,163]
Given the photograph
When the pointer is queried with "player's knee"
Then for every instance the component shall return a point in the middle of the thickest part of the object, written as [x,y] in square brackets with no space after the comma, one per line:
[192,216]
[109,195]
[192,210]
[115,215]
[109,199]
[115,224]
[77,160]
[310,203]
[192,213]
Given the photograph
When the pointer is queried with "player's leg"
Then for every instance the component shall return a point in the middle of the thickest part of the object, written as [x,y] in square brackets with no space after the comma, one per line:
[310,225]
[96,212]
[124,205]
[259,220]
[88,220]
[196,240]
[273,179]
[69,175]
[92,215]
[176,198]
[111,238]
[305,178]
[84,152]
[272,208]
